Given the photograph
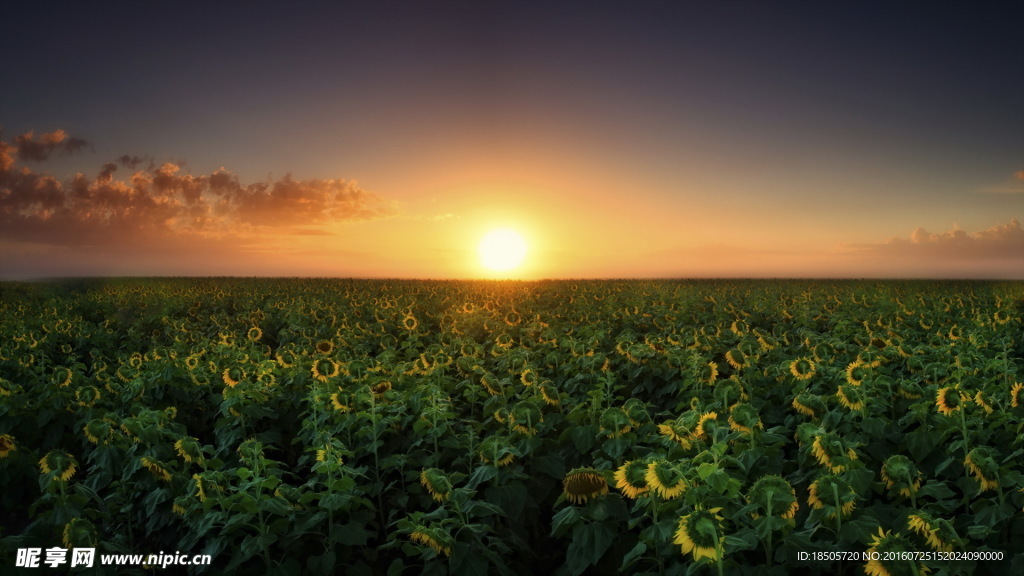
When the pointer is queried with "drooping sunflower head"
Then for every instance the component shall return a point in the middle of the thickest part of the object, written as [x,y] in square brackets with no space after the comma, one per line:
[1015,395]
[937,533]
[856,371]
[774,496]
[409,322]
[582,484]
[6,445]
[832,452]
[254,334]
[528,377]
[497,450]
[802,368]
[380,389]
[743,418]
[615,422]
[435,537]
[706,425]
[809,404]
[701,534]
[886,553]
[981,461]
[833,495]
[232,376]
[948,400]
[61,376]
[901,475]
[852,398]
[550,393]
[665,479]
[708,373]
[436,483]
[737,359]
[323,369]
[675,432]
[156,468]
[58,465]
[631,478]
[80,533]
[250,451]
[98,431]
[189,450]
[323,347]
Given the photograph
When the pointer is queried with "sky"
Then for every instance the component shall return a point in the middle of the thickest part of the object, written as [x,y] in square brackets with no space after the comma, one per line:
[619,139]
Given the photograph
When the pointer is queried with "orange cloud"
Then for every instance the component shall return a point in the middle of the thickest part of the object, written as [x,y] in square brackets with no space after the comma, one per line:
[161,202]
[997,251]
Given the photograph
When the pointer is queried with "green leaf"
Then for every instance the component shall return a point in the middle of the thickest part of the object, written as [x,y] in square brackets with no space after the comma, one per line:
[633,555]
[589,543]
[565,518]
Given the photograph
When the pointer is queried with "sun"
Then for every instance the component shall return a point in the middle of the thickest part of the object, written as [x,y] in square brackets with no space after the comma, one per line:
[502,250]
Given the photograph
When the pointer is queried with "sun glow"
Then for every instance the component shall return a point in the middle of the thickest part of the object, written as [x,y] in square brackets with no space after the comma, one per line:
[502,250]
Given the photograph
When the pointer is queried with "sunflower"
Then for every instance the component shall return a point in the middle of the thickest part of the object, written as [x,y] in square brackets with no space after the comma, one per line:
[61,377]
[409,322]
[338,404]
[582,484]
[250,450]
[852,398]
[828,448]
[630,478]
[436,483]
[887,558]
[86,396]
[439,541]
[549,393]
[1015,397]
[980,401]
[254,334]
[855,372]
[380,389]
[708,373]
[702,430]
[948,400]
[58,465]
[981,462]
[743,418]
[900,474]
[673,431]
[324,347]
[156,468]
[6,445]
[98,431]
[701,535]
[808,404]
[513,318]
[774,496]
[232,376]
[285,358]
[491,384]
[495,450]
[80,533]
[937,532]
[528,377]
[737,359]
[666,480]
[832,494]
[324,369]
[802,368]
[615,422]
[189,450]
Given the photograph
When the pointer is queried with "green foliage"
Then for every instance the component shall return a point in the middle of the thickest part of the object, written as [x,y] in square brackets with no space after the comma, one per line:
[399,427]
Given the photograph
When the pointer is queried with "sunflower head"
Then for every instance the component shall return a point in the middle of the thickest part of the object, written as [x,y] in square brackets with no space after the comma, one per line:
[58,465]
[774,497]
[706,425]
[80,533]
[436,483]
[853,398]
[948,400]
[6,445]
[1015,395]
[885,552]
[631,478]
[665,479]
[700,534]
[582,484]
[981,462]
[832,452]
[833,495]
[615,422]
[98,431]
[900,474]
[802,368]
[743,418]
[434,537]
[809,404]
[250,451]
[189,450]
[937,533]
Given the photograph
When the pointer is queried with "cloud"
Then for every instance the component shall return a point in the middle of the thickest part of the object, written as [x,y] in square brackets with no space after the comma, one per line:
[30,148]
[997,252]
[1012,185]
[159,203]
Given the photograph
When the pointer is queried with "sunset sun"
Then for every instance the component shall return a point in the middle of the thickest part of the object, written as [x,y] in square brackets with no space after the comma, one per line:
[502,250]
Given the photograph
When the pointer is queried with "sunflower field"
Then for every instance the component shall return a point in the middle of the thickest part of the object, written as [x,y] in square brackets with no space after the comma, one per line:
[319,426]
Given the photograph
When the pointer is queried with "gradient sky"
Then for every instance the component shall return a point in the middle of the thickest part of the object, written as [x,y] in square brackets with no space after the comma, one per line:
[629,139]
